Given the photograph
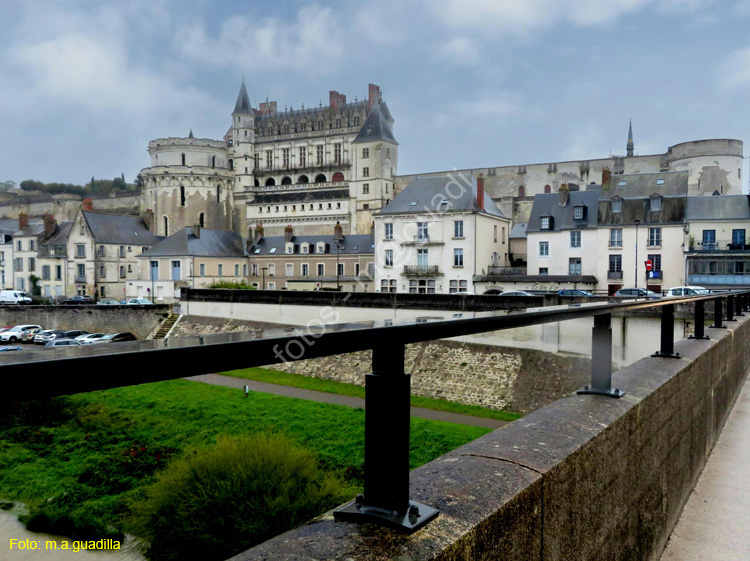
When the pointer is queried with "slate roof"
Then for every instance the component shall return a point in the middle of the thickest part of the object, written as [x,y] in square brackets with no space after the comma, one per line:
[33,229]
[376,127]
[672,211]
[60,237]
[243,101]
[310,195]
[211,243]
[119,229]
[548,204]
[356,244]
[10,225]
[720,207]
[424,195]
[673,183]
[518,231]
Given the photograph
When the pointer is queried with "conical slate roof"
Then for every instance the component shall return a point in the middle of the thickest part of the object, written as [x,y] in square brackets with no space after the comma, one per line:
[375,128]
[243,101]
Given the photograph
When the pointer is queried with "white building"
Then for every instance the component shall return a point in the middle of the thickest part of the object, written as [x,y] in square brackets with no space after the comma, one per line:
[437,236]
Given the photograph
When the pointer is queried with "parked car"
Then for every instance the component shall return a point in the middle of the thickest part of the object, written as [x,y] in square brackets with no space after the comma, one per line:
[493,291]
[72,334]
[574,292]
[516,293]
[636,293]
[88,338]
[139,302]
[108,303]
[14,297]
[116,338]
[47,335]
[28,334]
[688,291]
[14,333]
[78,299]
[62,343]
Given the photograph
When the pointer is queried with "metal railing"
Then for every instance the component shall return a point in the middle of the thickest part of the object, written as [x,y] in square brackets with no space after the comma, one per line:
[721,245]
[497,270]
[387,389]
[418,270]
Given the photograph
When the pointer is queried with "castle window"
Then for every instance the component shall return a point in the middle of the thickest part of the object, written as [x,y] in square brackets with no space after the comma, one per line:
[213,159]
[365,188]
[320,178]
[365,152]
[286,180]
[356,121]
[319,155]
[337,153]
[303,180]
[183,159]
[285,156]
[202,220]
[365,172]
[231,165]
[270,181]
[338,123]
[166,226]
[182,195]
[387,152]
[547,189]
[218,194]
[521,191]
[302,156]
[269,159]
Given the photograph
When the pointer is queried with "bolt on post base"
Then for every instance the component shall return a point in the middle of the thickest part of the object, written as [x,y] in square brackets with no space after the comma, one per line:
[697,337]
[408,520]
[659,354]
[609,392]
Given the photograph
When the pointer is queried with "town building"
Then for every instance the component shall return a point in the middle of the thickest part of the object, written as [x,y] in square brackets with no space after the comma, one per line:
[25,249]
[437,236]
[312,262]
[53,259]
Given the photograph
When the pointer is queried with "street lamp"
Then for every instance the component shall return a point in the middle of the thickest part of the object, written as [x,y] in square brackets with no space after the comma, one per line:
[338,251]
[637,222]
[264,269]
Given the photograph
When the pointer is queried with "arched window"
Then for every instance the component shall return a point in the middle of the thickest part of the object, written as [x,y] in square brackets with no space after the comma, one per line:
[303,180]
[286,180]
[547,189]
[338,176]
[166,226]
[182,195]
[218,194]
[213,161]
[270,181]
[231,165]
[320,178]
[183,159]
[257,183]
[202,220]
[522,191]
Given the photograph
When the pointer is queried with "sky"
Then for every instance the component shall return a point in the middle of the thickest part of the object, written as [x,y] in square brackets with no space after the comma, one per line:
[85,84]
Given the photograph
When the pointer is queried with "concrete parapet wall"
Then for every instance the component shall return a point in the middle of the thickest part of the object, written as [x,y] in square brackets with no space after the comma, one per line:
[587,477]
[139,320]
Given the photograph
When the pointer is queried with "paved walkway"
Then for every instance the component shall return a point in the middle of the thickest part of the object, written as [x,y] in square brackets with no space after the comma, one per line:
[715,525]
[348,401]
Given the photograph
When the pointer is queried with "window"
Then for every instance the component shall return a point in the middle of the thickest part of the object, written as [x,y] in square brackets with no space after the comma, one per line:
[543,249]
[302,156]
[574,266]
[81,276]
[365,188]
[365,152]
[356,269]
[709,239]
[654,236]
[19,245]
[575,238]
[154,268]
[389,258]
[458,228]
[272,269]
[388,231]
[545,223]
[422,231]
[290,269]
[45,272]
[182,195]
[615,263]
[738,239]
[422,286]
[321,269]
[423,258]
[458,257]
[285,157]
[32,264]
[305,270]
[122,271]
[58,272]
[494,229]
[269,159]
[102,272]
[578,213]
[458,286]
[337,153]
[387,152]
[203,269]
[340,269]
[319,155]
[543,271]
[388,285]
[656,204]
[80,250]
[244,270]
[221,269]
[364,206]
[290,248]
[122,251]
[615,237]
[31,245]
[616,205]
[365,172]
[655,259]
[271,286]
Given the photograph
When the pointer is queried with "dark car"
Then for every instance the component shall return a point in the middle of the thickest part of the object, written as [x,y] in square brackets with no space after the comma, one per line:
[72,334]
[637,293]
[574,292]
[116,338]
[57,343]
[73,300]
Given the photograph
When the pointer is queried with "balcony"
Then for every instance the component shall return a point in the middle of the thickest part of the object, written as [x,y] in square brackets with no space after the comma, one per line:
[292,167]
[614,275]
[421,270]
[495,270]
[424,239]
[615,244]
[300,186]
[721,245]
[81,279]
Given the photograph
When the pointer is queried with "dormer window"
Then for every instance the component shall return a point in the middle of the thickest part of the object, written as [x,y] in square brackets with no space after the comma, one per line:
[579,212]
[305,248]
[320,248]
[290,248]
[655,204]
[545,223]
[616,205]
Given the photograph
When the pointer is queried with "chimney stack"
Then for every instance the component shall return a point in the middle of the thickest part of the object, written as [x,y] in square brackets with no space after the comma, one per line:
[258,232]
[23,220]
[480,191]
[50,225]
[564,193]
[197,231]
[288,233]
[373,95]
[88,204]
[338,232]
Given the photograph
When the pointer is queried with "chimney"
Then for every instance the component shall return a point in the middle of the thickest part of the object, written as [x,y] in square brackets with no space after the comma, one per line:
[333,99]
[197,231]
[373,95]
[258,232]
[288,233]
[50,225]
[480,191]
[23,220]
[88,204]
[148,218]
[564,193]
[338,232]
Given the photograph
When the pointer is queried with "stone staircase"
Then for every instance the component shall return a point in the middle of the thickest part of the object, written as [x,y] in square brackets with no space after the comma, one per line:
[167,326]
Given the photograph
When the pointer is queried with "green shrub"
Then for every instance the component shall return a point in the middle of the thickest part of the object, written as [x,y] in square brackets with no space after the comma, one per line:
[213,503]
[231,284]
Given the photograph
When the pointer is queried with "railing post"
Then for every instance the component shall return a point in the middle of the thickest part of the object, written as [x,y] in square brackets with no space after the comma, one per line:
[730,309]
[738,305]
[387,416]
[601,359]
[700,321]
[667,333]
[718,314]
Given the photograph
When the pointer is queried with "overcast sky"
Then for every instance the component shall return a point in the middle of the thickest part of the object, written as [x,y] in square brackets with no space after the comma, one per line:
[84,85]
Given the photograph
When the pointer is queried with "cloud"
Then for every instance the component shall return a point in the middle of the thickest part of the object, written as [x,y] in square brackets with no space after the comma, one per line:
[460,51]
[485,109]
[311,43]
[734,71]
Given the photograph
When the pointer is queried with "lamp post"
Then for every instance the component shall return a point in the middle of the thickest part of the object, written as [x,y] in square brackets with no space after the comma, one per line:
[338,251]
[637,222]
[264,269]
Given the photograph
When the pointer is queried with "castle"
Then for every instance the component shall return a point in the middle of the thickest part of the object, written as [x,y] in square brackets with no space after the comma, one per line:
[310,168]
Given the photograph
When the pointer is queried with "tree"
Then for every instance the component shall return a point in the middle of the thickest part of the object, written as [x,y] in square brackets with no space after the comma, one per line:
[7,185]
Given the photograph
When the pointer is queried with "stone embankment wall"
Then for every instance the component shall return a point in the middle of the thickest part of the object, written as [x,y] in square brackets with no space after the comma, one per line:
[518,380]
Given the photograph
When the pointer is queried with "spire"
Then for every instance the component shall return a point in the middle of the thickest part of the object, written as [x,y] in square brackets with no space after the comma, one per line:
[191,134]
[631,145]
[243,101]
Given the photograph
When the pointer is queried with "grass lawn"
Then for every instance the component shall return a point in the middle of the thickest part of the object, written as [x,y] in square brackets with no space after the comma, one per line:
[88,455]
[328,386]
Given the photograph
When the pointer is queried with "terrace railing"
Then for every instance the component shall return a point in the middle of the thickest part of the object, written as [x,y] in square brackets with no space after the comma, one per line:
[386,473]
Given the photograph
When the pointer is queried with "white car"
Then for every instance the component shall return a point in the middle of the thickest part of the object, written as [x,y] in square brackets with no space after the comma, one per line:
[89,338]
[139,302]
[516,293]
[14,297]
[688,291]
[14,333]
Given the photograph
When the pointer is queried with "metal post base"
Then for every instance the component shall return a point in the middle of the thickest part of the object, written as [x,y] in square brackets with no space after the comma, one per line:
[660,354]
[409,520]
[702,337]
[717,326]
[609,392]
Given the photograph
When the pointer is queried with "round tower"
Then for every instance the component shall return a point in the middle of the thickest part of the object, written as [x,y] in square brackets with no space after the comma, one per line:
[242,142]
[713,166]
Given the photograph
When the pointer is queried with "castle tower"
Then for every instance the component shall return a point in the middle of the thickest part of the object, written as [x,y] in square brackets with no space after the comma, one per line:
[631,144]
[242,144]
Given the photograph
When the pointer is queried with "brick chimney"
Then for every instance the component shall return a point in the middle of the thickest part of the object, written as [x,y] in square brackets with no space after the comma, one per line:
[564,194]
[258,232]
[338,232]
[197,231]
[23,220]
[288,233]
[373,95]
[88,204]
[50,225]
[480,191]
